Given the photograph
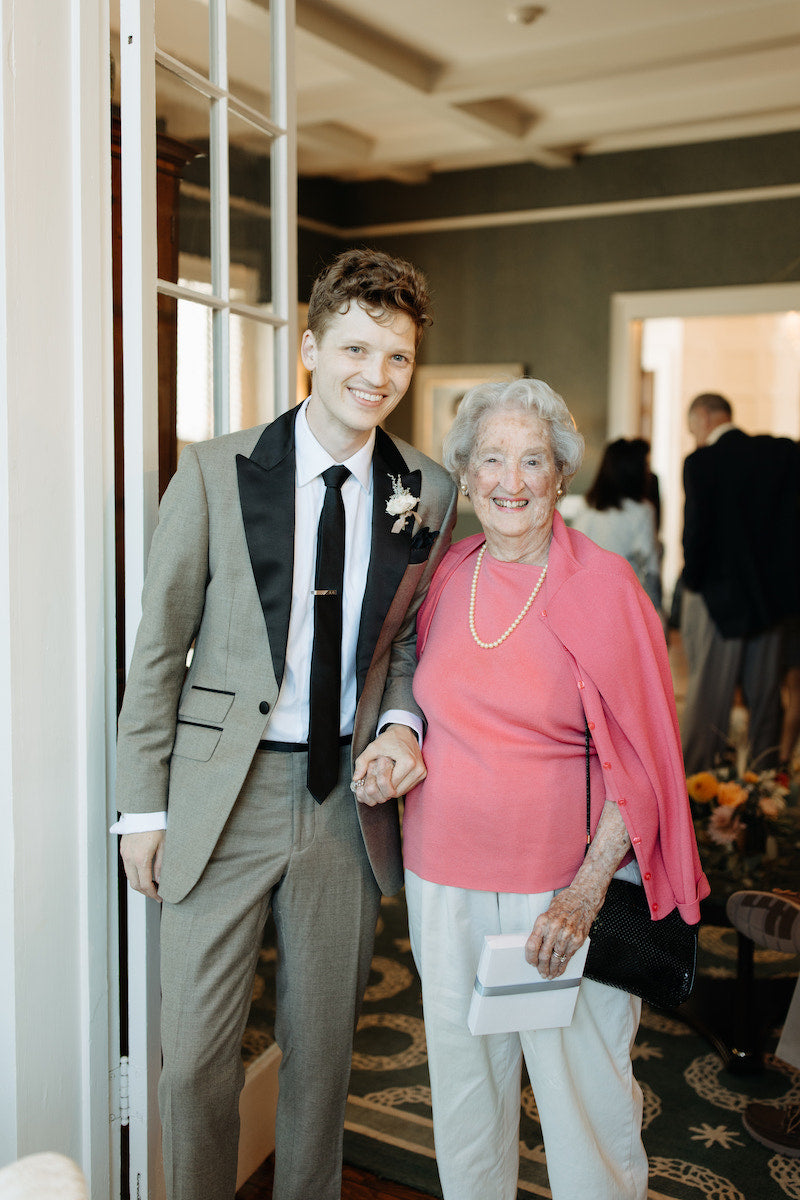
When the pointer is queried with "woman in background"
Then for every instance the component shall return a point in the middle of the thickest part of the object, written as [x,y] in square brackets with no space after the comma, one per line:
[618,515]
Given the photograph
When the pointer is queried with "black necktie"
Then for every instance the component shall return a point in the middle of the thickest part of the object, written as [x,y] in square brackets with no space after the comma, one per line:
[326,655]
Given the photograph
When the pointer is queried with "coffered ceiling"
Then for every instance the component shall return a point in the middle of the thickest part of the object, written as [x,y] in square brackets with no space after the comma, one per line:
[403,88]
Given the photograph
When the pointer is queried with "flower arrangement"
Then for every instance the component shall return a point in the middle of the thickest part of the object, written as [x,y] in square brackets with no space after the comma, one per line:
[743,822]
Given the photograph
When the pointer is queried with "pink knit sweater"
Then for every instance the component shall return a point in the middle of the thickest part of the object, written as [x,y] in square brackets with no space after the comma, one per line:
[503,807]
[612,638]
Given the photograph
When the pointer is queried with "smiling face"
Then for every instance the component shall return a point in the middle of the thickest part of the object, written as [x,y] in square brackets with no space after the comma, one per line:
[513,483]
[360,372]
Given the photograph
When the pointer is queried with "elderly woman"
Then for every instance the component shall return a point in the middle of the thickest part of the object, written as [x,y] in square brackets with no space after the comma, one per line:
[529,632]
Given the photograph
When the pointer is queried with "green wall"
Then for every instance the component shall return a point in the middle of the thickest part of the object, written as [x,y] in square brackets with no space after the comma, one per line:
[540,294]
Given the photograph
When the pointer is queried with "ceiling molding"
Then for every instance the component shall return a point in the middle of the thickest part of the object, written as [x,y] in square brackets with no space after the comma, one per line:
[564,212]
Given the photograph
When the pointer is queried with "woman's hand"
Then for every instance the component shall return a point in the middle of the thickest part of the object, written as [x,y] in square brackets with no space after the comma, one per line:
[561,930]
[564,927]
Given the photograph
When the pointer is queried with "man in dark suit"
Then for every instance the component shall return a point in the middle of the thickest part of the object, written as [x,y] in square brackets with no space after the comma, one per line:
[294,558]
[740,545]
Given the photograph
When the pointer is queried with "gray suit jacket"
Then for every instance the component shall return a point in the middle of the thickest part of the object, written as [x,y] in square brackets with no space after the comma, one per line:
[220,576]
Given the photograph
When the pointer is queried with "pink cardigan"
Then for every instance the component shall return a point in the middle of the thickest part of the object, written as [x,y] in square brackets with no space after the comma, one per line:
[613,637]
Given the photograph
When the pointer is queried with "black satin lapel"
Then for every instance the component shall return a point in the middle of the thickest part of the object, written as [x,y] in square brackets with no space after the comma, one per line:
[390,552]
[266,495]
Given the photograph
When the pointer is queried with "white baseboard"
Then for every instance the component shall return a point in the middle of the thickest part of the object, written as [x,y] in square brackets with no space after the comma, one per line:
[257,1105]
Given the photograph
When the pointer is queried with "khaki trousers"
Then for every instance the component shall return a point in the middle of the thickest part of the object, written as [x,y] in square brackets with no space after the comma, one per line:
[588,1101]
[307,862]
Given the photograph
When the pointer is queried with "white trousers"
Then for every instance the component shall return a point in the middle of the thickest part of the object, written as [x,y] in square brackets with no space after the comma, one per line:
[589,1104]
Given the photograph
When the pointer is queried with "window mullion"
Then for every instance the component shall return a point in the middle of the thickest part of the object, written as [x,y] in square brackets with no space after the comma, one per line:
[283,169]
[220,225]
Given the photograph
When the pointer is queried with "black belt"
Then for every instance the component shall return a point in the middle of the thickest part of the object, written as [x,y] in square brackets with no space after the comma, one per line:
[297,747]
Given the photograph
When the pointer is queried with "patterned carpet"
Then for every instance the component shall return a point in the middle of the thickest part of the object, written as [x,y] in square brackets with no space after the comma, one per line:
[692,1118]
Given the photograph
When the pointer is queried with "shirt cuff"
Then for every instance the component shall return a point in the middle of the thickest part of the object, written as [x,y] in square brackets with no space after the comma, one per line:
[398,716]
[139,822]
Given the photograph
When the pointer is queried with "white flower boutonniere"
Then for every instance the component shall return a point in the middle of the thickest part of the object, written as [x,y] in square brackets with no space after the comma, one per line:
[401,504]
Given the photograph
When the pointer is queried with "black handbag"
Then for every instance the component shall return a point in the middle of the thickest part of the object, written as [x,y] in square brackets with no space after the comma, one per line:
[629,950]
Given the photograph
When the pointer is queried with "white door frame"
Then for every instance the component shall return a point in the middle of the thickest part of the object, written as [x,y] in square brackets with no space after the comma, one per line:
[140,287]
[623,412]
[58,962]
[623,385]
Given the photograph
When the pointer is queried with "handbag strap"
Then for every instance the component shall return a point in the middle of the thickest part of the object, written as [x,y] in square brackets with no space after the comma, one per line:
[588,792]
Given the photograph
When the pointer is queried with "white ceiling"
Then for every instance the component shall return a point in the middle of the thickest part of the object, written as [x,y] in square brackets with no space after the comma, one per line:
[403,88]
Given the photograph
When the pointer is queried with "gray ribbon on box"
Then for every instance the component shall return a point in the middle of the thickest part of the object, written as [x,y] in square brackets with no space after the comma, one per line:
[520,989]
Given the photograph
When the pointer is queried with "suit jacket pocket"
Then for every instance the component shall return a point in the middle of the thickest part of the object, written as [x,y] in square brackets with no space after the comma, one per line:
[205,706]
[196,741]
[421,545]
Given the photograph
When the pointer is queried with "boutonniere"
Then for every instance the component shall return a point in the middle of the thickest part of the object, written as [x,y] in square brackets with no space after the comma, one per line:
[401,504]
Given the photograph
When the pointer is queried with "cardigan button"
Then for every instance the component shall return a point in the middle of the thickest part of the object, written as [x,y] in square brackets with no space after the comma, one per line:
[647,875]
[606,766]
[622,800]
[581,684]
[654,907]
[637,841]
[264,707]
[591,724]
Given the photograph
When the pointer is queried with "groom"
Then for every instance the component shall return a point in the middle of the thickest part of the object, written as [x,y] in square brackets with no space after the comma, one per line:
[290,560]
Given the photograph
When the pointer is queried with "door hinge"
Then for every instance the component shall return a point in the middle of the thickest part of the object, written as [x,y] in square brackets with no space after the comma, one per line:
[124,1094]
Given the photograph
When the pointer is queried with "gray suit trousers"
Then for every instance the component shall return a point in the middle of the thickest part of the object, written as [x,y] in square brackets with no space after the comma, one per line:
[716,665]
[307,862]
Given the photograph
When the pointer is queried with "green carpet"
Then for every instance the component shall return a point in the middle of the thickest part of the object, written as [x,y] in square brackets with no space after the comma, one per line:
[693,1134]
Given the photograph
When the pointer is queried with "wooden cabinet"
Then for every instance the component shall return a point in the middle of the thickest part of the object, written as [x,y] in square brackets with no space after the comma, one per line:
[172,157]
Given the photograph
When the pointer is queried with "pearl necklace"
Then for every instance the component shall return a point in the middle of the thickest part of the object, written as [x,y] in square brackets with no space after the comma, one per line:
[473,593]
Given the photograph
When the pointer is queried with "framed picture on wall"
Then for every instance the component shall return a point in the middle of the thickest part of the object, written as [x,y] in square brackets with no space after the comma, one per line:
[437,393]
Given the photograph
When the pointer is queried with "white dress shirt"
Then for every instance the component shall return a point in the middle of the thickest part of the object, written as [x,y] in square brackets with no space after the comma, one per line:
[289,717]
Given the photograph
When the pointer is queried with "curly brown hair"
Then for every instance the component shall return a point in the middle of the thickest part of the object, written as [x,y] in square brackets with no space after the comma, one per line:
[378,282]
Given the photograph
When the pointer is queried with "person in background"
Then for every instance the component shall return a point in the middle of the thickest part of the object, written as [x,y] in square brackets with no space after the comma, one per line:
[530,635]
[618,514]
[294,557]
[741,575]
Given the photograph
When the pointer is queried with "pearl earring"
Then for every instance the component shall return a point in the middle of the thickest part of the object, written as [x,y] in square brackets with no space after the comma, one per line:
[465,489]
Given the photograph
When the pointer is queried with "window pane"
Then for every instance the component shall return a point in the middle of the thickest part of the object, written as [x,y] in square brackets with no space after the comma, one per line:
[248,157]
[195,393]
[184,210]
[249,53]
[252,374]
[182,31]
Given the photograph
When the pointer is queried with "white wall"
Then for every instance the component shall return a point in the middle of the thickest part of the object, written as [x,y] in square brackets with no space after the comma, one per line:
[56,501]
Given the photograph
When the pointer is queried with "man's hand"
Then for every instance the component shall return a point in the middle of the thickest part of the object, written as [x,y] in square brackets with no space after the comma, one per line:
[141,854]
[390,766]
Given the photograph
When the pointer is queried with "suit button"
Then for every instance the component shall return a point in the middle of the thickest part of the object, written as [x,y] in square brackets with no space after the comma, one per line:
[263,707]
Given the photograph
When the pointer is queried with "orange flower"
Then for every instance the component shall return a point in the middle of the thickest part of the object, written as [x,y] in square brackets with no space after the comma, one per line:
[731,795]
[750,777]
[702,787]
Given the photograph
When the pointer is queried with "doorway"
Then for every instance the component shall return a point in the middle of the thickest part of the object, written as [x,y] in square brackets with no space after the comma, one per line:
[666,347]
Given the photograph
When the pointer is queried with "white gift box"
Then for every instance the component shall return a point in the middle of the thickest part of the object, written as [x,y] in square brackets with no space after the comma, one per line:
[510,994]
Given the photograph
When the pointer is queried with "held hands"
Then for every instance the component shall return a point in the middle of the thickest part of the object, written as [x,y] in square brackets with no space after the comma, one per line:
[561,930]
[141,855]
[390,766]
